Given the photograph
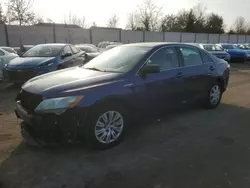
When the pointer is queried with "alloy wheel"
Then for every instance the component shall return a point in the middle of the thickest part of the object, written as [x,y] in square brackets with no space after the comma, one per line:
[109,127]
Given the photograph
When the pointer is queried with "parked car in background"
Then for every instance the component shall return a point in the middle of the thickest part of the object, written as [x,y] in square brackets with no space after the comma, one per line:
[98,100]
[8,49]
[86,44]
[244,47]
[217,51]
[90,51]
[235,53]
[87,48]
[112,46]
[42,59]
[5,58]
[102,45]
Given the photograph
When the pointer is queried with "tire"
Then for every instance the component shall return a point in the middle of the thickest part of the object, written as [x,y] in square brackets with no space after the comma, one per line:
[95,125]
[213,97]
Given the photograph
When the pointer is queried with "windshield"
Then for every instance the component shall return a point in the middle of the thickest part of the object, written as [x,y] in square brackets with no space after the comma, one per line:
[120,59]
[212,47]
[87,49]
[229,46]
[43,51]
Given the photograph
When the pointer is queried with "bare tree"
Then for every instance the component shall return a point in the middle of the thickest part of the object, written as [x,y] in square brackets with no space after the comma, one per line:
[132,22]
[73,19]
[2,16]
[20,11]
[240,25]
[93,24]
[113,21]
[149,16]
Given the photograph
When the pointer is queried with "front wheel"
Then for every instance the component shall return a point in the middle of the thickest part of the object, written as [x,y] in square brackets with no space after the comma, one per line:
[106,126]
[214,97]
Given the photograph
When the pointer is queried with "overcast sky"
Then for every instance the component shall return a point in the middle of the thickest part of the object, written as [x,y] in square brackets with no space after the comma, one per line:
[101,10]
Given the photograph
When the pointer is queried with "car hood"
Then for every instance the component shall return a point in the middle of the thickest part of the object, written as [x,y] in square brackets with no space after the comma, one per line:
[71,80]
[29,62]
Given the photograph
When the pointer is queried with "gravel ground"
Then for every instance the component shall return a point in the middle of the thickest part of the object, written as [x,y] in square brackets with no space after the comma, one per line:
[190,148]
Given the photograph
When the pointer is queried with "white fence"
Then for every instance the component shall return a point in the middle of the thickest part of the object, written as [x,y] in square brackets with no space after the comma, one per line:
[14,35]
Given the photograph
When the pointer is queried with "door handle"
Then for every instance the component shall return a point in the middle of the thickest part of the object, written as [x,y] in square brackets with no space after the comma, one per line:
[179,75]
[211,68]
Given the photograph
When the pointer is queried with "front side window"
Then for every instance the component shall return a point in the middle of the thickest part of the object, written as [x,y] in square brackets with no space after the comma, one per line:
[190,56]
[166,58]
[120,59]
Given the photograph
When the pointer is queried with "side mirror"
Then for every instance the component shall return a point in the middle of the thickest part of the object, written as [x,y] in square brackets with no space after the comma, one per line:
[150,69]
[66,55]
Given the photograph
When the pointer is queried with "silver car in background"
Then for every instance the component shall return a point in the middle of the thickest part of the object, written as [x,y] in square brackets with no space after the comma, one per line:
[5,58]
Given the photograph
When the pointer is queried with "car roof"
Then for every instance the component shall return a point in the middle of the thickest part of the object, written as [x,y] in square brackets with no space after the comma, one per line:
[153,44]
[56,44]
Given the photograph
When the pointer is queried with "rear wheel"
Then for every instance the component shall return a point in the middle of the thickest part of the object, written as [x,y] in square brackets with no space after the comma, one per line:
[214,97]
[106,126]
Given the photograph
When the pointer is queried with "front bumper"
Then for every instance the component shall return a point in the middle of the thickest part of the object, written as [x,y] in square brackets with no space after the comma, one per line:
[51,128]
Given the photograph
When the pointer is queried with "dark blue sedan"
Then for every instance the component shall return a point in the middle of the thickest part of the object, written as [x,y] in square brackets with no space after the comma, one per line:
[98,100]
[42,59]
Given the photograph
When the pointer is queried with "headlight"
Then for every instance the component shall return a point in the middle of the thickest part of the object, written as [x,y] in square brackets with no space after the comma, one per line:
[58,105]
[46,65]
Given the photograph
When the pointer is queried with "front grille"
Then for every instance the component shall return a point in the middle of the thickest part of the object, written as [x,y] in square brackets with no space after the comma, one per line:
[29,101]
[19,76]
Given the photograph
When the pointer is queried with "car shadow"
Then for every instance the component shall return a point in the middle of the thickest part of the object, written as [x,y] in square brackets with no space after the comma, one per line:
[185,148]
[240,66]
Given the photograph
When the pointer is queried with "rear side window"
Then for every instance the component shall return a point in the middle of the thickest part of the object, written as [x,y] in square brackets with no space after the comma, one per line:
[190,56]
[66,50]
[206,58]
[74,49]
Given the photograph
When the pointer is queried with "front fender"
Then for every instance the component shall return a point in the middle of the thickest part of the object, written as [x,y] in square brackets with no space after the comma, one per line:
[105,92]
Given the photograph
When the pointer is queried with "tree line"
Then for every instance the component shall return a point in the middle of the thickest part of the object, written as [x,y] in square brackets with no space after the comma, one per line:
[147,17]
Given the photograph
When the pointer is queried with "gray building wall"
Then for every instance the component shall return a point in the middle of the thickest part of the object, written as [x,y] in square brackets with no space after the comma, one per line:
[3,37]
[16,35]
[29,35]
[128,36]
[172,37]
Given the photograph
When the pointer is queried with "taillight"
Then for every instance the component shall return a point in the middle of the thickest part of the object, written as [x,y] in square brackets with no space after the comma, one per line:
[228,66]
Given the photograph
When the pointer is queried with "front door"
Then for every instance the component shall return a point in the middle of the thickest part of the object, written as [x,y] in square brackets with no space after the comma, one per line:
[156,92]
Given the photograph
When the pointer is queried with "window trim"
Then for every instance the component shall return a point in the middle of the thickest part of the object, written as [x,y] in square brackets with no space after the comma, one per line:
[145,62]
[182,58]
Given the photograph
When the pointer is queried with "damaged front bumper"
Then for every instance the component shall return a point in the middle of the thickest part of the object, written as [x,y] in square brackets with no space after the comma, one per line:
[43,129]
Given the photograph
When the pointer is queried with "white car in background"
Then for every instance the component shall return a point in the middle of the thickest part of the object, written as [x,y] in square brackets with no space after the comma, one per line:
[5,58]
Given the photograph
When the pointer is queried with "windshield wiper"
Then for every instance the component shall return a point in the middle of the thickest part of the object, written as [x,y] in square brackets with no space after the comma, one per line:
[95,69]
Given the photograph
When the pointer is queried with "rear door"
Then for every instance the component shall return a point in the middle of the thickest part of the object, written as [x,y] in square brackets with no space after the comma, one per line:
[198,70]
[69,60]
